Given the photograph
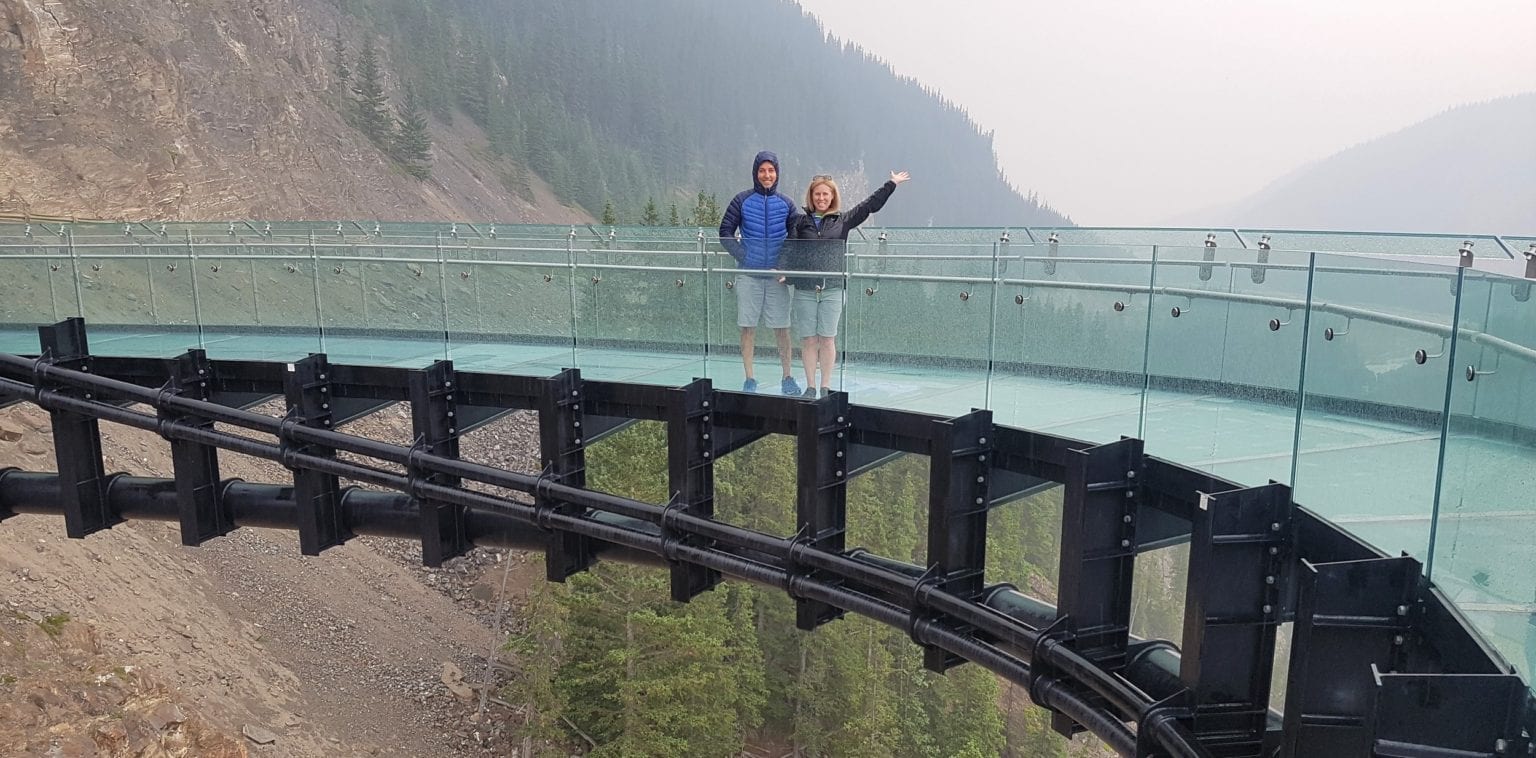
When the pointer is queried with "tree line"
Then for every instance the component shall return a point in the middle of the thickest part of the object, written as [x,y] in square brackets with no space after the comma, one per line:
[608,661]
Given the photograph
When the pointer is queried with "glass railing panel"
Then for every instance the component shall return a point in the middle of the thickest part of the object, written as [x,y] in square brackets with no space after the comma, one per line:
[38,288]
[1375,383]
[1224,360]
[136,299]
[640,316]
[918,323]
[509,308]
[382,304]
[1072,326]
[174,296]
[1483,558]
[262,302]
[1375,243]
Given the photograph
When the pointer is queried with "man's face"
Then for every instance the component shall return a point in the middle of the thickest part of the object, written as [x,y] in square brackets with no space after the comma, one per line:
[767,175]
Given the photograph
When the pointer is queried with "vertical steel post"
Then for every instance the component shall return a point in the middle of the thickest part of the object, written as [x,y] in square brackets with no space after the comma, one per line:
[690,477]
[317,495]
[76,438]
[434,424]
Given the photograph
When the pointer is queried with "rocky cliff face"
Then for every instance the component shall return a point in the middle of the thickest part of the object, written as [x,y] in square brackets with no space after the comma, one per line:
[214,109]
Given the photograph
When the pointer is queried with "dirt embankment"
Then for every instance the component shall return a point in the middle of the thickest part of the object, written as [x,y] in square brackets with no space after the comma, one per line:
[170,650]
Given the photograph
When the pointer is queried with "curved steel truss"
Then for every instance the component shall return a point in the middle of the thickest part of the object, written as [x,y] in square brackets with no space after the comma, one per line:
[1381,662]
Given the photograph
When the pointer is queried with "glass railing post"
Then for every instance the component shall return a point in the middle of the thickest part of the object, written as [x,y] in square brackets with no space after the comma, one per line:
[1146,337]
[314,259]
[442,288]
[197,304]
[1301,376]
[570,266]
[74,262]
[1445,413]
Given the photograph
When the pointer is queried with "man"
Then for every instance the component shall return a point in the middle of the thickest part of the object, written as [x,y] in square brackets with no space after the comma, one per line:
[763,215]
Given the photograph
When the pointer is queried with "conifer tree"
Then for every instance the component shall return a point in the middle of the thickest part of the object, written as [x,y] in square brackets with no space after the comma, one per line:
[371,105]
[650,216]
[339,63]
[672,219]
[410,143]
[609,217]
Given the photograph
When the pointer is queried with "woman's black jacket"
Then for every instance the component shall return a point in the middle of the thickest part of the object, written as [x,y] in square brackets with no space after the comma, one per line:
[821,247]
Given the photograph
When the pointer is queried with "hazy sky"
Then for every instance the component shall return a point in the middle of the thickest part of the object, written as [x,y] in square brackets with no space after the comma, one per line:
[1127,112]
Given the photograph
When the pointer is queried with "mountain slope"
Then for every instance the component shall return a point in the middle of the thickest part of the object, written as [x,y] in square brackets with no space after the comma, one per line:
[539,110]
[218,109]
[1471,169]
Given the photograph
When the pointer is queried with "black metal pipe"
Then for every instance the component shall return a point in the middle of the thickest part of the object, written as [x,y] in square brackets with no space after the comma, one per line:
[376,514]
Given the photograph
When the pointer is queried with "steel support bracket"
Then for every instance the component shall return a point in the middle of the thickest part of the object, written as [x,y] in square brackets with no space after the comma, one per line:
[1449,715]
[76,438]
[434,424]
[1098,554]
[1351,616]
[690,479]
[959,483]
[203,514]
[562,448]
[316,494]
[1239,556]
[821,501]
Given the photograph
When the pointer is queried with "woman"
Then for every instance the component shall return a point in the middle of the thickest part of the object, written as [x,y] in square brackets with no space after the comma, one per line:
[817,243]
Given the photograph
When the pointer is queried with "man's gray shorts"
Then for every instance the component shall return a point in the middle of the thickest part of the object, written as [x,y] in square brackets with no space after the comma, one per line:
[816,313]
[762,299]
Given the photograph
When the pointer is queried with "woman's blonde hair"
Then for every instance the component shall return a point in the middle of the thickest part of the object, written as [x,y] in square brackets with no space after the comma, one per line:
[837,198]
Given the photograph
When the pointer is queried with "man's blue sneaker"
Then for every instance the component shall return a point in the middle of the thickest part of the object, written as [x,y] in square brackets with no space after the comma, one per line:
[749,385]
[790,386]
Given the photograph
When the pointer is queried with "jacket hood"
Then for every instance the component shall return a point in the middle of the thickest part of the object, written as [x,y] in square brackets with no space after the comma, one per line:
[766,156]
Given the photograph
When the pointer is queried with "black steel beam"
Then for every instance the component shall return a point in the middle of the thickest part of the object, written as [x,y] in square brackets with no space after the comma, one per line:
[76,437]
[690,479]
[562,447]
[1238,562]
[1098,555]
[821,499]
[730,439]
[318,493]
[434,418]
[1350,617]
[1098,539]
[1009,486]
[203,513]
[959,487]
[1449,715]
[863,459]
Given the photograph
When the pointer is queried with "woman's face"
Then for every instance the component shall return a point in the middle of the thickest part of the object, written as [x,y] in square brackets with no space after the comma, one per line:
[821,198]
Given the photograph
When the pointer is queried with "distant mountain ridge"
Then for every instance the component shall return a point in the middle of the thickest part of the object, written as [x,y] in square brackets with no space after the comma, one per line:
[1470,169]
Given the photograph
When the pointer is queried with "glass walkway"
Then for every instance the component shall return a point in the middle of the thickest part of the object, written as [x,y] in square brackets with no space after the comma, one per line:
[1389,379]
